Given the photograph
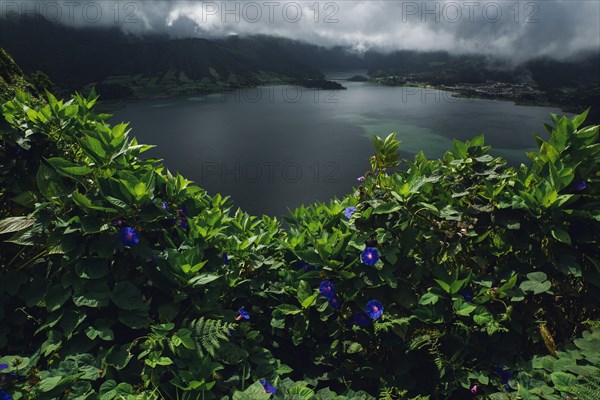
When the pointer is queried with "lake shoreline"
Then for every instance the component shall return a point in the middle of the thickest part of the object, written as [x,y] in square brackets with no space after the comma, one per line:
[117,102]
[270,151]
[519,94]
[496,91]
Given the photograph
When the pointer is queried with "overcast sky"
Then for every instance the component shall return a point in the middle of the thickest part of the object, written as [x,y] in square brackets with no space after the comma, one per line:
[514,30]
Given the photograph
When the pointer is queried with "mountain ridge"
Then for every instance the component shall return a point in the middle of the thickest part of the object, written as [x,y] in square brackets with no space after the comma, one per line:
[122,65]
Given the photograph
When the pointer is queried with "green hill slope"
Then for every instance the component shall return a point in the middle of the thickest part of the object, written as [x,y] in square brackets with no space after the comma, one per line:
[12,78]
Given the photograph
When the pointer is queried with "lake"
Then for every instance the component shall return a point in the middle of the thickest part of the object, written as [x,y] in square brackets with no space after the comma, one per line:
[274,148]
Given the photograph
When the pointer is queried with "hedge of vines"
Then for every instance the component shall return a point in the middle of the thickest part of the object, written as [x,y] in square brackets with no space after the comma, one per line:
[455,278]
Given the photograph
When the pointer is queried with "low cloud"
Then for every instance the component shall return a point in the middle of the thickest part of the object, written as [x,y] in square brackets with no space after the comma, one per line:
[516,31]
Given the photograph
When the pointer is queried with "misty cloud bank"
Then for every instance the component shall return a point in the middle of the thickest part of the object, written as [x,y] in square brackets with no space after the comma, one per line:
[515,31]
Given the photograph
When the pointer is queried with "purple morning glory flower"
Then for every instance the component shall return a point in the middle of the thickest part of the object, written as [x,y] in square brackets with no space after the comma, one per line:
[361,319]
[243,314]
[3,366]
[4,395]
[306,266]
[129,237]
[369,256]
[9,377]
[474,389]
[165,205]
[466,296]
[505,376]
[182,212]
[360,179]
[335,302]
[117,223]
[225,259]
[349,211]
[580,185]
[327,289]
[268,387]
[184,224]
[374,309]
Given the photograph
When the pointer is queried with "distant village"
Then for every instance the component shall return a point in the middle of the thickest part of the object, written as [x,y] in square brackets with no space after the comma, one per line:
[518,92]
[504,90]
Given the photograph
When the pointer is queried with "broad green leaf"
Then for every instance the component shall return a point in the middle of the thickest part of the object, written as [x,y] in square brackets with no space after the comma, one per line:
[56,297]
[508,284]
[463,308]
[91,268]
[203,279]
[458,285]
[136,319]
[50,184]
[127,296]
[304,291]
[68,168]
[102,330]
[47,384]
[443,285]
[140,189]
[561,235]
[535,286]
[288,309]
[387,208]
[352,347]
[482,316]
[429,298]
[537,276]
[309,301]
[15,224]
[562,380]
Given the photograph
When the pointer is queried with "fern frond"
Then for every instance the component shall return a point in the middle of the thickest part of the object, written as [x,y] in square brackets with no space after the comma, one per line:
[397,325]
[430,340]
[589,389]
[592,323]
[393,393]
[210,334]
[386,393]
[426,339]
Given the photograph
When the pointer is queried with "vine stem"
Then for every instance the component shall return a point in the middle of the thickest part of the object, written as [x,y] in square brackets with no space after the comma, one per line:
[16,256]
[244,377]
[29,316]
[32,260]
[134,343]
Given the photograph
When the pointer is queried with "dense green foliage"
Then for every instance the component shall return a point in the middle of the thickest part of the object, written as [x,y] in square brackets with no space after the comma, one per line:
[12,78]
[119,279]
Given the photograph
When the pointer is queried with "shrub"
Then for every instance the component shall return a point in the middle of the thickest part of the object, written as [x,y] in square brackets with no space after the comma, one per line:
[453,278]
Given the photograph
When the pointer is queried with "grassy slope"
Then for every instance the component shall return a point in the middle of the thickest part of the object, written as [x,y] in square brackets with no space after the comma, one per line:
[12,78]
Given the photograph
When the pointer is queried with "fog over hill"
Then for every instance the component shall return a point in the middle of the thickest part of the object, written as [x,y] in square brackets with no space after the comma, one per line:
[155,48]
[513,31]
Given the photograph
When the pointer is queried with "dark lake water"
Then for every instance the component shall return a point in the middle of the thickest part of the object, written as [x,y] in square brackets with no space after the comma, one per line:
[274,148]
